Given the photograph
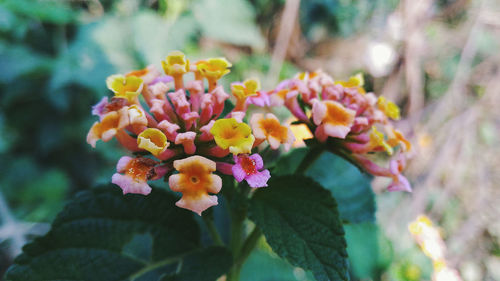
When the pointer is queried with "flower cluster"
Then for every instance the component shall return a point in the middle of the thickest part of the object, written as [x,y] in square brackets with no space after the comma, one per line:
[353,123]
[183,130]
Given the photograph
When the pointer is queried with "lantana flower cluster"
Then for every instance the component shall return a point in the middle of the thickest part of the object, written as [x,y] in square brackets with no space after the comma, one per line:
[353,123]
[180,126]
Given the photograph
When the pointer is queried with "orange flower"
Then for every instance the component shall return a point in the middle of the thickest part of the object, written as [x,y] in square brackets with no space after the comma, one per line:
[332,118]
[270,128]
[195,181]
[396,138]
[107,128]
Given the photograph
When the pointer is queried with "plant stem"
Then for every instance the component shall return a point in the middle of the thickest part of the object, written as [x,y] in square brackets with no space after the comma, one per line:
[212,229]
[238,216]
[309,159]
[248,246]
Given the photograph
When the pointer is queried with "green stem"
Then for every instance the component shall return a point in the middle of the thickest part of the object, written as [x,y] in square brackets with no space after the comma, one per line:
[238,216]
[212,229]
[309,159]
[248,246]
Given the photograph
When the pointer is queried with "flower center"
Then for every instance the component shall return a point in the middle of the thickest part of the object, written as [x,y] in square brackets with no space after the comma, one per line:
[248,165]
[141,168]
[194,179]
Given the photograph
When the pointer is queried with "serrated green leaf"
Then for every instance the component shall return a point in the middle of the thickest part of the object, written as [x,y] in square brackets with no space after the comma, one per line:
[205,265]
[95,238]
[350,187]
[301,223]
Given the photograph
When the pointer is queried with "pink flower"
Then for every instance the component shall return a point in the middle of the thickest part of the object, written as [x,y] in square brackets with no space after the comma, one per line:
[247,168]
[261,99]
[99,109]
[399,182]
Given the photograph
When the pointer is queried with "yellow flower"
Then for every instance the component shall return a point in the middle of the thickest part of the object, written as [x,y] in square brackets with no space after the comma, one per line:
[241,91]
[301,132]
[228,133]
[389,108]
[270,128]
[128,87]
[245,89]
[152,140]
[356,81]
[195,180]
[377,140]
[175,64]
[213,69]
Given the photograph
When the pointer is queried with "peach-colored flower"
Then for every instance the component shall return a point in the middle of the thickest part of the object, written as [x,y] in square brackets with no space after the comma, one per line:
[332,118]
[137,171]
[270,128]
[136,116]
[147,74]
[107,128]
[195,181]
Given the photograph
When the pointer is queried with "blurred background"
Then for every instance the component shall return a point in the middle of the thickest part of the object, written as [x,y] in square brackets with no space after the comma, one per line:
[439,60]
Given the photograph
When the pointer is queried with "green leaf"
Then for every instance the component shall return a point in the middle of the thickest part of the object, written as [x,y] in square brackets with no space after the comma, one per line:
[350,187]
[301,223]
[263,265]
[104,235]
[205,265]
[365,240]
[230,21]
